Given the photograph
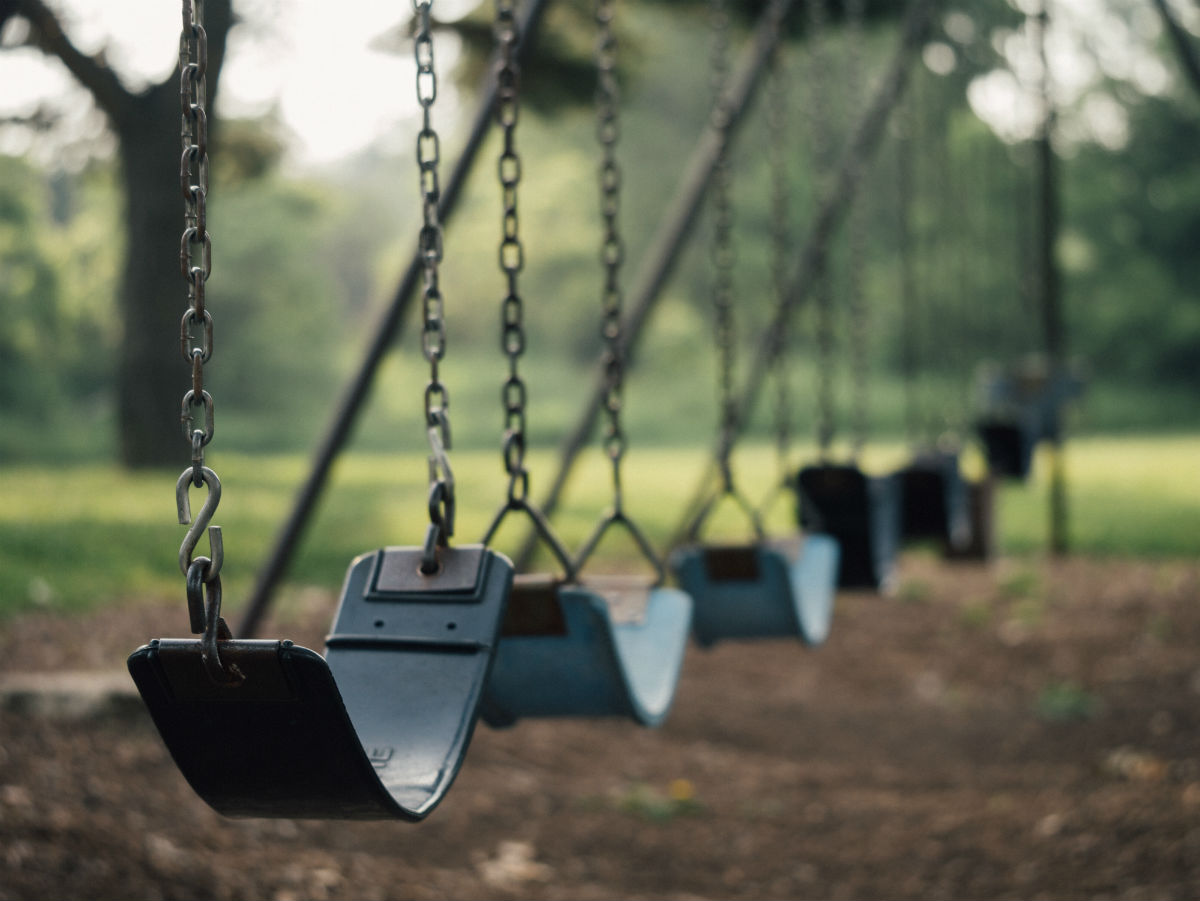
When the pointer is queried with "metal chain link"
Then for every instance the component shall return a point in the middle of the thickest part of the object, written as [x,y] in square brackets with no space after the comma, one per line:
[512,254]
[195,246]
[196,326]
[612,248]
[433,333]
[202,574]
[722,251]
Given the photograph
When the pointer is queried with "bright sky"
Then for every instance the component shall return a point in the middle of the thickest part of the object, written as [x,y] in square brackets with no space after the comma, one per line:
[333,83]
[338,90]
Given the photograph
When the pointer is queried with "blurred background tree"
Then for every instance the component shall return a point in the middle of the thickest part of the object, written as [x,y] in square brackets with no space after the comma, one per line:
[304,253]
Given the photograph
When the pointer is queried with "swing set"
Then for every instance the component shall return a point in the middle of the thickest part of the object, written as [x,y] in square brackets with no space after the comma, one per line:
[430,638]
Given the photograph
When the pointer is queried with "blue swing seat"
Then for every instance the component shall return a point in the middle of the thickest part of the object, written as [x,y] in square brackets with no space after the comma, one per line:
[862,512]
[611,646]
[766,589]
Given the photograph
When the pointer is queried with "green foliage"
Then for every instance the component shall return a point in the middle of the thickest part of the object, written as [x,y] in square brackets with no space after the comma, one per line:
[1061,702]
[1136,215]
[650,803]
[31,337]
[1019,584]
[975,614]
[303,261]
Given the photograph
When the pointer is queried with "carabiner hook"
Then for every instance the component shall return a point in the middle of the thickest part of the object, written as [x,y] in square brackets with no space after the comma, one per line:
[201,522]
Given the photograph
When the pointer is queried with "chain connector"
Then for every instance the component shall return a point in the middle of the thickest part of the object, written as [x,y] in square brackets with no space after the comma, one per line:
[204,592]
[442,502]
[200,523]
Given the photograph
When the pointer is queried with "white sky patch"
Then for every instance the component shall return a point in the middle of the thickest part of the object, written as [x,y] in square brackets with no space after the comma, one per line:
[326,76]
[318,68]
[1089,42]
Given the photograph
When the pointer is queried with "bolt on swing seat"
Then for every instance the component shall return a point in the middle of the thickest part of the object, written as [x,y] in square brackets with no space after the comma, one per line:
[934,500]
[604,646]
[861,512]
[376,729]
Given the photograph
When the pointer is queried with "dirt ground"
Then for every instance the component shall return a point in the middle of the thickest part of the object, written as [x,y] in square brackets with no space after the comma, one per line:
[1024,730]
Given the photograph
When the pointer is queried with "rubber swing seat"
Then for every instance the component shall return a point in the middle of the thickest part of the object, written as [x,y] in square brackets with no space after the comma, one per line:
[611,646]
[1008,446]
[376,729]
[767,589]
[862,512]
[934,501]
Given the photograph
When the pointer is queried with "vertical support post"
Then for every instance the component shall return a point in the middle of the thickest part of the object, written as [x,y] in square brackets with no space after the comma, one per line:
[1049,283]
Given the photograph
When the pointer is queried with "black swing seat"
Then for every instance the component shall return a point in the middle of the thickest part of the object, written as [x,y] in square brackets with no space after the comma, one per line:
[861,512]
[1008,445]
[609,646]
[934,500]
[376,729]
[765,589]
[1022,407]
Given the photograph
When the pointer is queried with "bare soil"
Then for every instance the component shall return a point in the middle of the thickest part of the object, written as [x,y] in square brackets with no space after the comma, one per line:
[1024,730]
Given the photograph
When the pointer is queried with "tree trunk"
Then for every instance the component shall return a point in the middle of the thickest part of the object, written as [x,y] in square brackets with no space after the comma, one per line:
[152,377]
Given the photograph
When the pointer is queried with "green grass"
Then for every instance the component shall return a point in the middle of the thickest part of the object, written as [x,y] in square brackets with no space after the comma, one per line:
[75,537]
[1136,496]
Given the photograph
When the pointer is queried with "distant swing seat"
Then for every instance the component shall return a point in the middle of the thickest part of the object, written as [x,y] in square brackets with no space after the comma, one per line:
[376,729]
[934,500]
[766,589]
[861,512]
[981,539]
[1008,445]
[1023,407]
[611,646]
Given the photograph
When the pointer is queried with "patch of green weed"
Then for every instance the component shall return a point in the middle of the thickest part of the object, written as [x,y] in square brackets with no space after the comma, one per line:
[1061,702]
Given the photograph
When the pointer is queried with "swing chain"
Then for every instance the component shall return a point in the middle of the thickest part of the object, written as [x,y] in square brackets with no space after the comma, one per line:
[722,246]
[776,120]
[512,253]
[196,326]
[612,248]
[195,245]
[433,333]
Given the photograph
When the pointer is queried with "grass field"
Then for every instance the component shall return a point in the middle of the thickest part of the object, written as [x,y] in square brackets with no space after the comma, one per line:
[81,536]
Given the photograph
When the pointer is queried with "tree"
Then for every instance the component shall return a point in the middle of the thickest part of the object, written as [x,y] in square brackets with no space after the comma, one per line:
[150,376]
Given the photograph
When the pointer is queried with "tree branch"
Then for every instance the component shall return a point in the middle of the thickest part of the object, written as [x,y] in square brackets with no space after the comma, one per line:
[1188,58]
[48,36]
